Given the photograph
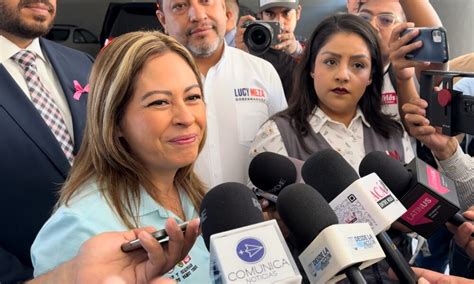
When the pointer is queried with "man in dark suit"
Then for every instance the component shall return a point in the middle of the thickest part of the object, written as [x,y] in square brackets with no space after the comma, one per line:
[42,116]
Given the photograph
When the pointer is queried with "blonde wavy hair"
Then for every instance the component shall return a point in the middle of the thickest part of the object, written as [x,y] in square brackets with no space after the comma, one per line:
[103,155]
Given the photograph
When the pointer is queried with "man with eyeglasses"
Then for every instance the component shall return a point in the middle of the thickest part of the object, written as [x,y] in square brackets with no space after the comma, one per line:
[385,15]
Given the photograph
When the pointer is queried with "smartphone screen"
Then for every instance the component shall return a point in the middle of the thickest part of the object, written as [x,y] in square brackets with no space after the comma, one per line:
[159,235]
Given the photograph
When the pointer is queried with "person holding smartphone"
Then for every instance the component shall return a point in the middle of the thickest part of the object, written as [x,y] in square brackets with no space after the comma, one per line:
[100,259]
[389,18]
[135,168]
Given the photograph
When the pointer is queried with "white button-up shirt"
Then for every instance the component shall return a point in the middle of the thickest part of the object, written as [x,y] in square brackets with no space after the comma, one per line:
[348,141]
[241,92]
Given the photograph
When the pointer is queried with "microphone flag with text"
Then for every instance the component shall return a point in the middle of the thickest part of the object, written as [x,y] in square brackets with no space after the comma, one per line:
[243,248]
[326,247]
[359,200]
[429,196]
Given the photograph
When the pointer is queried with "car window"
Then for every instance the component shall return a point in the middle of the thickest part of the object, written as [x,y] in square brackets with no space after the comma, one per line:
[122,18]
[58,34]
[88,36]
[77,37]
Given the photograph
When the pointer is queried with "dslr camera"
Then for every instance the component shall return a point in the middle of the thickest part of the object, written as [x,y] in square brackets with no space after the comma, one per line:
[260,35]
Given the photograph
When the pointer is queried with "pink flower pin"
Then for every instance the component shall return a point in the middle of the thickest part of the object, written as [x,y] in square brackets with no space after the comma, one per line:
[79,90]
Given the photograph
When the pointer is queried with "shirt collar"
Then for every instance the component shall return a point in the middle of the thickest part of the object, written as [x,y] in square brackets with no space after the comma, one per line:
[319,119]
[219,63]
[8,49]
[224,56]
[360,114]
[148,206]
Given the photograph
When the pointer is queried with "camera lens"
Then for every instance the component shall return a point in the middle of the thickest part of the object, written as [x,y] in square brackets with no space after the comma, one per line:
[437,37]
[258,37]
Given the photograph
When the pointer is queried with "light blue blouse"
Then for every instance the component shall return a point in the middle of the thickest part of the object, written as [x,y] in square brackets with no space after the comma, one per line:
[89,214]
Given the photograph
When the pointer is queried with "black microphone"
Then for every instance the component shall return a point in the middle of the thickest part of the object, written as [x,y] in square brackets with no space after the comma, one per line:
[430,196]
[307,215]
[270,173]
[228,206]
[243,248]
[329,173]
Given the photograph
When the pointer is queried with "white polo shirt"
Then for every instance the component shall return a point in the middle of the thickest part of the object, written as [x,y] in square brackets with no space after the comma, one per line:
[241,92]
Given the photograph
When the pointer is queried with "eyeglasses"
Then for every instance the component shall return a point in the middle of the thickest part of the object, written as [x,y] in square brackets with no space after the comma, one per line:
[383,20]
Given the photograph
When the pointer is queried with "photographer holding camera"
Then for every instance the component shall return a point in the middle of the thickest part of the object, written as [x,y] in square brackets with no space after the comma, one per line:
[273,37]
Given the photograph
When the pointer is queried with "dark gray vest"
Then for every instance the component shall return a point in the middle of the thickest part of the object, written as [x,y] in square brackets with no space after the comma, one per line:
[316,142]
[372,142]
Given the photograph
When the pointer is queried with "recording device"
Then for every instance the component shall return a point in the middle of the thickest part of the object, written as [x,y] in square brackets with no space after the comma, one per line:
[328,249]
[430,196]
[243,248]
[271,172]
[359,200]
[259,36]
[435,45]
[160,235]
[450,109]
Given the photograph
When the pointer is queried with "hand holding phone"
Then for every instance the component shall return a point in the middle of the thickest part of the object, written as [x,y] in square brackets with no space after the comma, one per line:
[160,235]
[435,45]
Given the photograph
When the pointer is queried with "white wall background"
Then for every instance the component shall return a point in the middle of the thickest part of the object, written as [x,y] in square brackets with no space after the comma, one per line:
[458,19]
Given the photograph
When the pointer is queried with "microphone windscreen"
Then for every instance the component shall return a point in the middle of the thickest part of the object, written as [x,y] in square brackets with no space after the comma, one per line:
[329,173]
[392,172]
[228,206]
[271,172]
[305,212]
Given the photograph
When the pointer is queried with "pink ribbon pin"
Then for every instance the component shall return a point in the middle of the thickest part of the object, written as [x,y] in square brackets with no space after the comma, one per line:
[79,90]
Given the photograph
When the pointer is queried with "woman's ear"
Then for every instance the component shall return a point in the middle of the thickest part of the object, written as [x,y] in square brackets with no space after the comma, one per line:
[311,74]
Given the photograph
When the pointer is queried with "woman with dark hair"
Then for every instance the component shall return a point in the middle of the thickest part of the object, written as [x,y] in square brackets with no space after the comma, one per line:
[336,99]
[336,103]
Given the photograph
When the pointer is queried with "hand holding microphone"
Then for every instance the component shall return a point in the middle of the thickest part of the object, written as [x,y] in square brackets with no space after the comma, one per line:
[463,235]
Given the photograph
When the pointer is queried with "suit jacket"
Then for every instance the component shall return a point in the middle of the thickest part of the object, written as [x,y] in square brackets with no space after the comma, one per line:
[32,164]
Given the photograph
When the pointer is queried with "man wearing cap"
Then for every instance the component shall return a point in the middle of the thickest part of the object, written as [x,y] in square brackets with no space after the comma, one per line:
[285,54]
